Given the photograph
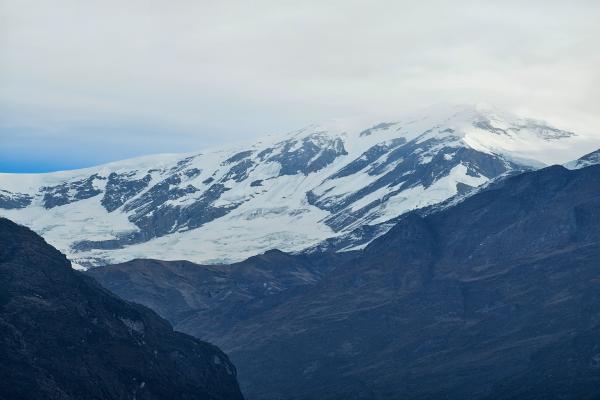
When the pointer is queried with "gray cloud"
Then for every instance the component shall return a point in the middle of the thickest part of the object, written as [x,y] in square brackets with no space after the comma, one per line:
[184,75]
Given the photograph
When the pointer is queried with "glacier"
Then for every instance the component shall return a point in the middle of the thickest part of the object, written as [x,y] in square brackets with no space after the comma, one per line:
[320,187]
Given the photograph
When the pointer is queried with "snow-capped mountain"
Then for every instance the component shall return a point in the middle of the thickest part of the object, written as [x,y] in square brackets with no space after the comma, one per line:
[313,186]
[592,158]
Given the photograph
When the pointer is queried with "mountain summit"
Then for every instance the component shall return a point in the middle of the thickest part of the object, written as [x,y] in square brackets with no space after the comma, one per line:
[311,188]
[592,158]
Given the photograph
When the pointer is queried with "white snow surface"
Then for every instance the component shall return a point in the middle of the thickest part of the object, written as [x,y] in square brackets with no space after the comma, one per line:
[592,158]
[274,213]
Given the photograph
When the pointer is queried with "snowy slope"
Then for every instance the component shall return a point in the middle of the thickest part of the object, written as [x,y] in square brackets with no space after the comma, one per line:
[291,192]
[592,158]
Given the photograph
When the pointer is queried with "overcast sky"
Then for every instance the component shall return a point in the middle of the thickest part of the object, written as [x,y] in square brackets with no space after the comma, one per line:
[88,81]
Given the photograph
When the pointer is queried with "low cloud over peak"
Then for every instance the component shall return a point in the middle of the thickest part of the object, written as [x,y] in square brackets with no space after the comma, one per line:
[105,80]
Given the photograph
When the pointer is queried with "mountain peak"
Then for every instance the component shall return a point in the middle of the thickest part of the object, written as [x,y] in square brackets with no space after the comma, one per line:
[324,182]
[592,158]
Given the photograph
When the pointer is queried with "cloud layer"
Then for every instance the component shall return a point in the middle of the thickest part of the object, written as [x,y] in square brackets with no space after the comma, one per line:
[87,82]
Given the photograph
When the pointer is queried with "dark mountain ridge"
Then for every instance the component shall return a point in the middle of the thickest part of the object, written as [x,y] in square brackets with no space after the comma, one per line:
[495,297]
[62,336]
[205,299]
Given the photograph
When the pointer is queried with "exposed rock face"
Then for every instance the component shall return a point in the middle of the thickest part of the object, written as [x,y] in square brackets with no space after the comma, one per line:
[64,337]
[306,154]
[70,192]
[10,201]
[121,187]
[493,297]
[319,187]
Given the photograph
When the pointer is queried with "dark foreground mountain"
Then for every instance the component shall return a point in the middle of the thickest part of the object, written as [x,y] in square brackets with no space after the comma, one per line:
[62,336]
[496,297]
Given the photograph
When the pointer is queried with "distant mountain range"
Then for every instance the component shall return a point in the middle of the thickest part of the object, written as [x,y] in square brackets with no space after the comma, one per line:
[317,188]
[490,296]
[62,336]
